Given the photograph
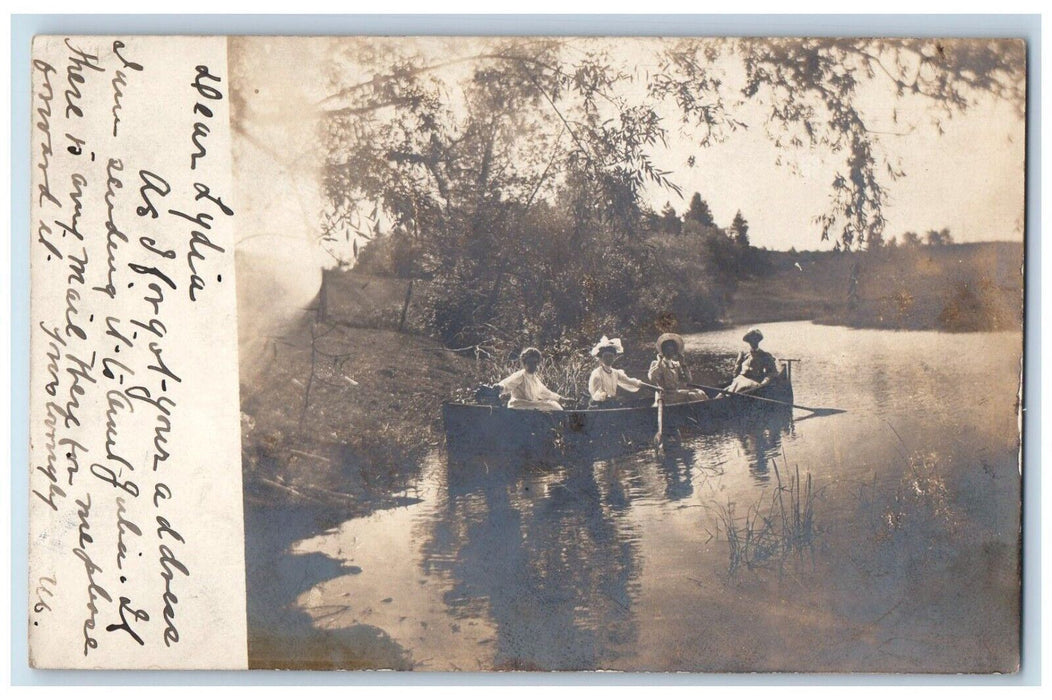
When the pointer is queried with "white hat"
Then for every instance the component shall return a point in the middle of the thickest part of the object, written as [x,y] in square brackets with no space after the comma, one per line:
[605,342]
[674,337]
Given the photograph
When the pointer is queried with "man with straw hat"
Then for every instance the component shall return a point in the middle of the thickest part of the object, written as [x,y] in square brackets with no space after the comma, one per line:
[605,380]
[753,368]
[669,372]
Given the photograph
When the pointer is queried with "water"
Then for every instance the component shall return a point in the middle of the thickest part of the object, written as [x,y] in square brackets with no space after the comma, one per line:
[626,563]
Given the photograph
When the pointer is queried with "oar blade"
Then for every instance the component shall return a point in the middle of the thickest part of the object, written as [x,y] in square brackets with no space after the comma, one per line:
[819,412]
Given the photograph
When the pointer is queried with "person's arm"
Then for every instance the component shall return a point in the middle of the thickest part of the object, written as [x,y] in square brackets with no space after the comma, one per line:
[738,364]
[626,382]
[655,374]
[770,368]
[546,394]
[684,371]
[509,383]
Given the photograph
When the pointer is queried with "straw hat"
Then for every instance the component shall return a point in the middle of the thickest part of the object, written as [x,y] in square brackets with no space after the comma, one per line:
[604,342]
[753,336]
[675,337]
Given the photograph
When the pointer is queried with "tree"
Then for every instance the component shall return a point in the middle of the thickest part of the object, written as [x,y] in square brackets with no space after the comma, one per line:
[510,163]
[699,211]
[670,222]
[740,230]
[809,89]
[509,190]
[910,239]
[939,238]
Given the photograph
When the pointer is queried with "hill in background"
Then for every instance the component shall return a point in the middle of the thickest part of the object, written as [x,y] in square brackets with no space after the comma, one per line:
[954,287]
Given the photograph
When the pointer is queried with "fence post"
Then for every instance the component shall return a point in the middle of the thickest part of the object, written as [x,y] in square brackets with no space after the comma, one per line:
[405,306]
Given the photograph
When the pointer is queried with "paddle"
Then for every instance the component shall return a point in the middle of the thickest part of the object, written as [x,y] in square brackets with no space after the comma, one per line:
[661,420]
[816,411]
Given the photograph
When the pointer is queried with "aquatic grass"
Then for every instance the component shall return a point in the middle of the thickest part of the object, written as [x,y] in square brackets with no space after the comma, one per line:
[749,543]
[798,516]
[774,528]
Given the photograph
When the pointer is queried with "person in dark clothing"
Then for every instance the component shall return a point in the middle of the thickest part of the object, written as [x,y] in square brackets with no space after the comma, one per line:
[753,368]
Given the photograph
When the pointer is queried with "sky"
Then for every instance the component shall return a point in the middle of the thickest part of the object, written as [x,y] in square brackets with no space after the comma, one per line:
[970,179]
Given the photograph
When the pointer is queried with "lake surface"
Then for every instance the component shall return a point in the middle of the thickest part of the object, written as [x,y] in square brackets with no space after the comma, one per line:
[884,538]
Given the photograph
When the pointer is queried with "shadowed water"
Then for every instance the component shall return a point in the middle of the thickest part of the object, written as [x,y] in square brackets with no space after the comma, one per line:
[910,563]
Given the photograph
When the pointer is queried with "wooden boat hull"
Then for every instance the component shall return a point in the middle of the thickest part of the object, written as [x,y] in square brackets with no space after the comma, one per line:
[476,429]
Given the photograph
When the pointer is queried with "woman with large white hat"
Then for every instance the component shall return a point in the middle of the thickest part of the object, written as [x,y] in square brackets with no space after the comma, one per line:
[605,380]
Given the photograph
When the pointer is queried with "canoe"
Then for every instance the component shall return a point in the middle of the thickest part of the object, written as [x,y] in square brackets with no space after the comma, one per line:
[473,429]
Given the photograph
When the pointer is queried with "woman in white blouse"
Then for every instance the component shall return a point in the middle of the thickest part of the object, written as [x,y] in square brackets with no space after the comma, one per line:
[525,388]
[605,379]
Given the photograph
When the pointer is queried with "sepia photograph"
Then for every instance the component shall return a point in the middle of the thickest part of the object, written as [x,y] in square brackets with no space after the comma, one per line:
[636,354]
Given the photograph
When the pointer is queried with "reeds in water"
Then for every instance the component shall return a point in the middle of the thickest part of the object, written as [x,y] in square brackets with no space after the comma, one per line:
[774,528]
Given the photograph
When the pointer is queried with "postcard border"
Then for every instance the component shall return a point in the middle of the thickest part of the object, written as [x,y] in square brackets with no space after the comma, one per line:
[24,27]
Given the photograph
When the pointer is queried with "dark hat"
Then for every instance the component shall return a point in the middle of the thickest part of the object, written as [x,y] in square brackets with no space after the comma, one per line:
[528,352]
[753,336]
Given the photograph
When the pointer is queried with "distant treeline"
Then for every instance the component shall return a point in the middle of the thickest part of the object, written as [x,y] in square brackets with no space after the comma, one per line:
[932,286]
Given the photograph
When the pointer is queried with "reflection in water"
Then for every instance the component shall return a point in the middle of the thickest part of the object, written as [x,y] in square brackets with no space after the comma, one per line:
[274,578]
[761,440]
[617,563]
[551,556]
[676,466]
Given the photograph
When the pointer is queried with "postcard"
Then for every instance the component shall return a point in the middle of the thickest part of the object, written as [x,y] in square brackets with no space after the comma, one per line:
[526,353]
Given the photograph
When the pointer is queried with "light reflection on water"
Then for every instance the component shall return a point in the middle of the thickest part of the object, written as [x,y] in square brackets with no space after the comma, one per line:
[620,563]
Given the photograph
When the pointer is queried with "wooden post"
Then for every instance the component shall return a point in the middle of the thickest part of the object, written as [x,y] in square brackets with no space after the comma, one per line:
[405,306]
[323,297]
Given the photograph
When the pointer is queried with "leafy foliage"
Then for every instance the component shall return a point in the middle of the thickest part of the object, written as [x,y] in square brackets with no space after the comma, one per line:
[939,237]
[810,89]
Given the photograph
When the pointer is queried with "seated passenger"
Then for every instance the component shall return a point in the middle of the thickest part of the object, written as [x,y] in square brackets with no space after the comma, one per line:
[754,368]
[605,380]
[669,372]
[526,388]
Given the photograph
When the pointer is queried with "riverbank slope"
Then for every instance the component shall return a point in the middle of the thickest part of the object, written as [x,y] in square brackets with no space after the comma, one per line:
[343,415]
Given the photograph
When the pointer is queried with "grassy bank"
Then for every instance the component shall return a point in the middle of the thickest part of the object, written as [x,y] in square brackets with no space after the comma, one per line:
[963,287]
[343,415]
